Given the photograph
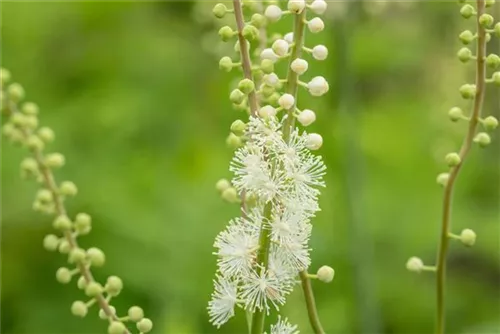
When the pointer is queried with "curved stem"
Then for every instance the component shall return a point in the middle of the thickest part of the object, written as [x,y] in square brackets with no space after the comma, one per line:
[448,191]
[312,312]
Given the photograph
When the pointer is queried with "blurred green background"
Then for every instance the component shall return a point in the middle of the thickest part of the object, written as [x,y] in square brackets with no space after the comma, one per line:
[141,111]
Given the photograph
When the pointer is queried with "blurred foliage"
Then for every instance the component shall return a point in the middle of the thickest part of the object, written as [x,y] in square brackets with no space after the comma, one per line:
[140,110]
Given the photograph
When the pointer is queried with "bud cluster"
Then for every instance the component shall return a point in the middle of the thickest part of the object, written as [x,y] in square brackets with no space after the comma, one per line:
[22,128]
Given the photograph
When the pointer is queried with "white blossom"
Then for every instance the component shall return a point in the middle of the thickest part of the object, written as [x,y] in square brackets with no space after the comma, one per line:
[224,298]
[283,327]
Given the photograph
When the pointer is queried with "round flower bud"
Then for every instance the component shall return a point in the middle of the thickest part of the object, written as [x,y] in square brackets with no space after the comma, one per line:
[273,99]
[63,275]
[493,60]
[82,222]
[145,325]
[54,160]
[103,314]
[280,47]
[62,223]
[31,122]
[50,242]
[497,29]
[464,55]
[18,120]
[77,255]
[226,33]
[15,92]
[246,86]
[238,127]
[320,52]
[455,114]
[267,111]
[46,134]
[318,86]
[288,37]
[68,188]
[325,274]
[44,196]
[268,54]
[316,25]
[489,3]
[96,257]
[81,283]
[442,179]
[135,313]
[116,327]
[453,159]
[237,96]
[466,37]
[267,66]
[468,237]
[490,123]
[415,264]
[250,32]
[467,11]
[93,289]
[258,20]
[306,117]
[29,165]
[4,76]
[483,139]
[296,6]
[230,195]
[486,20]
[318,6]
[114,285]
[314,141]
[271,79]
[30,108]
[273,13]
[496,78]
[233,141]
[299,66]
[468,91]
[79,309]
[34,143]
[222,185]
[226,64]
[286,101]
[219,10]
[64,247]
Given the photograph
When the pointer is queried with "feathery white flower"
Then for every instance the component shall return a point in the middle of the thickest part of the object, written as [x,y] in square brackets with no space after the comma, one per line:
[283,327]
[224,298]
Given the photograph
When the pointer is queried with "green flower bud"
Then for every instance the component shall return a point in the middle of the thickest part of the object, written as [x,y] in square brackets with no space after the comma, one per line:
[464,55]
[4,76]
[237,96]
[415,264]
[77,255]
[466,37]
[30,108]
[29,165]
[116,327]
[96,257]
[243,106]
[230,195]
[468,237]
[68,188]
[226,64]
[18,120]
[266,90]
[442,179]
[64,246]
[219,10]
[486,20]
[82,223]
[490,123]
[46,134]
[467,11]
[452,159]
[238,127]
[455,114]
[222,185]
[233,141]
[273,99]
[483,139]
[493,60]
[487,36]
[468,91]
[497,29]
[258,20]
[145,325]
[103,314]
[55,160]
[8,129]
[79,309]
[135,313]
[250,32]
[496,78]
[50,242]
[34,143]
[246,86]
[31,122]
[489,3]
[81,283]
[15,92]
[44,196]
[226,33]
[114,285]
[93,289]
[63,275]
[62,223]
[267,66]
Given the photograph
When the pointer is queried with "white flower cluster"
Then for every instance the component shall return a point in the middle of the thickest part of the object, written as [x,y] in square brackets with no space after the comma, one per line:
[284,176]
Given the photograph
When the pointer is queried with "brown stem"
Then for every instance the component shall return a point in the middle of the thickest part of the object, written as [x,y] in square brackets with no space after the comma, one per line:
[464,150]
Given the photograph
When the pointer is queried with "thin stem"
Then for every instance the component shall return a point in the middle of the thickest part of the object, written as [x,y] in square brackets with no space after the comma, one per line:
[245,55]
[311,304]
[464,150]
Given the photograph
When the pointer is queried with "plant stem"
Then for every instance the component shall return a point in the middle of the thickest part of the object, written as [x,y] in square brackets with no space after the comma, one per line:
[245,55]
[310,303]
[464,150]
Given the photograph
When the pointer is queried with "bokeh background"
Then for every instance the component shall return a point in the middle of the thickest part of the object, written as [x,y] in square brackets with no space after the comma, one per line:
[141,111]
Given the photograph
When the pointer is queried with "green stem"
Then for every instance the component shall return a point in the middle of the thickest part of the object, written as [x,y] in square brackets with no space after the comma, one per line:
[448,191]
[310,303]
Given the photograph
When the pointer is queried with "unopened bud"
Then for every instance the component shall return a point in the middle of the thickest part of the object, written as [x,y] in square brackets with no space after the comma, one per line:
[483,139]
[325,274]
